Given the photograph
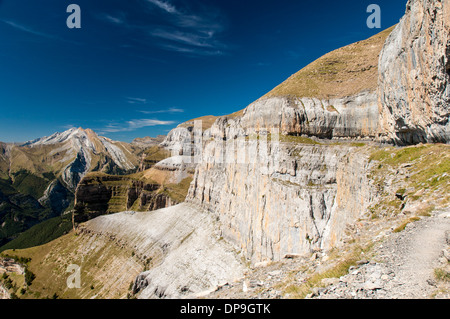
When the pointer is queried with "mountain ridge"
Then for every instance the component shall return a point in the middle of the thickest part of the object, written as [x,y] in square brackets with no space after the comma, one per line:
[38,178]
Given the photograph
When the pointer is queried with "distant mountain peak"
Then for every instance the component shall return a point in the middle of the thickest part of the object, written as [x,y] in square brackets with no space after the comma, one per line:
[80,150]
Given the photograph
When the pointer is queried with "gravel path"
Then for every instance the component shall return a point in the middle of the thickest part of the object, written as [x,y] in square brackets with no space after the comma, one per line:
[415,254]
[405,269]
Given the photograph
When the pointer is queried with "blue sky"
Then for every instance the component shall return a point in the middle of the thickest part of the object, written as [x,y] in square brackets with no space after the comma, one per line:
[140,67]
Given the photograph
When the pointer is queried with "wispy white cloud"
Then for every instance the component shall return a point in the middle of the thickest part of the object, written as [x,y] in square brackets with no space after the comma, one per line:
[191,51]
[262,64]
[113,19]
[184,38]
[35,32]
[170,111]
[164,5]
[132,125]
[28,29]
[136,124]
[188,31]
[136,100]
[293,54]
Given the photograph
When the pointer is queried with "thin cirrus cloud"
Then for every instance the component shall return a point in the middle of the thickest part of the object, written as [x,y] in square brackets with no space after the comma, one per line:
[164,5]
[182,30]
[35,32]
[29,30]
[195,40]
[113,19]
[136,100]
[170,111]
[133,125]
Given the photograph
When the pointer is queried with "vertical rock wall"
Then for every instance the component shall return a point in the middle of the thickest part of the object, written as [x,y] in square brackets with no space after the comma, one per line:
[298,198]
[414,75]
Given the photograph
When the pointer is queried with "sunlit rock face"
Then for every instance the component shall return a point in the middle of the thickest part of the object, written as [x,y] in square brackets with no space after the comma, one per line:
[414,75]
[279,198]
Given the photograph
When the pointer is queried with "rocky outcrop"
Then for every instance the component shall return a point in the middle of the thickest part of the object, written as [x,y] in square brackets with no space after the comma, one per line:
[414,75]
[332,97]
[91,200]
[179,141]
[354,193]
[104,194]
[350,117]
[145,197]
[11,266]
[57,197]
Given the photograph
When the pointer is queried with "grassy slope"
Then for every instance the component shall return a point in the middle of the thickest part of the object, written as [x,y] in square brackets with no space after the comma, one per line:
[343,72]
[154,155]
[102,264]
[340,73]
[428,168]
[178,192]
[207,122]
[38,160]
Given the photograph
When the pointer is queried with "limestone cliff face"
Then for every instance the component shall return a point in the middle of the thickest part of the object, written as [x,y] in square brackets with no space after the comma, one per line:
[414,75]
[349,117]
[296,199]
[354,194]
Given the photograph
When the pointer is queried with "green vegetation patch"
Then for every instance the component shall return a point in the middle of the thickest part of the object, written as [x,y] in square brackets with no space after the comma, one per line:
[405,223]
[156,154]
[41,233]
[427,170]
[298,140]
[337,271]
[178,192]
[30,184]
[442,275]
[393,156]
